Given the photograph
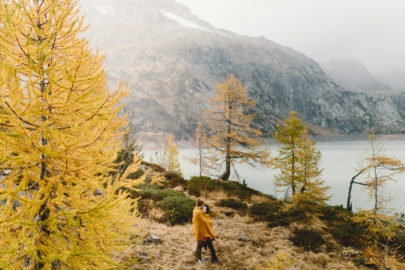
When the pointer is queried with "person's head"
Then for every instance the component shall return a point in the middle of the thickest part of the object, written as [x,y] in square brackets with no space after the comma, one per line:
[200,202]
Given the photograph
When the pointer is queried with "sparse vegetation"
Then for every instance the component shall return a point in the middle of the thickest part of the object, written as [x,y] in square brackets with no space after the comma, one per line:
[198,186]
[233,204]
[308,238]
[177,207]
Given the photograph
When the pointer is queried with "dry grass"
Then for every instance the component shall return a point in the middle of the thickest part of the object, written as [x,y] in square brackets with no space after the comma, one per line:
[177,249]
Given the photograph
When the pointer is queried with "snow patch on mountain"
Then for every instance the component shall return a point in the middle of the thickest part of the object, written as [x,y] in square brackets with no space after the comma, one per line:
[183,22]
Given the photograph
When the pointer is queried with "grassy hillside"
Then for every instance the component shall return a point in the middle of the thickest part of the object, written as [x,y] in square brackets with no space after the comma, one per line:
[254,231]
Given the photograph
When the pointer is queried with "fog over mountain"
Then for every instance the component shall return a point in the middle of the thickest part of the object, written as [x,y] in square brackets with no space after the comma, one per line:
[352,72]
[172,60]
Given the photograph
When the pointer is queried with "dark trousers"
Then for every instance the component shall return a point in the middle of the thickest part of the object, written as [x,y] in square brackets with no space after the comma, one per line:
[207,243]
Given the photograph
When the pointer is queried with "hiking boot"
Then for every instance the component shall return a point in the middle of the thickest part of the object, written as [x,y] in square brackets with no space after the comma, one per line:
[214,260]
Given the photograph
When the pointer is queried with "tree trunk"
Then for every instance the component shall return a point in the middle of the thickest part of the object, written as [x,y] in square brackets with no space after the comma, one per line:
[293,166]
[227,173]
[349,196]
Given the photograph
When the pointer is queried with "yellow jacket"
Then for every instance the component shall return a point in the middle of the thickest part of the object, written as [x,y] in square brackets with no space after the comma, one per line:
[202,225]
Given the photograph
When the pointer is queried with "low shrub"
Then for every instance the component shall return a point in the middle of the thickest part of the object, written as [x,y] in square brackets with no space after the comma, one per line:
[177,206]
[174,179]
[177,210]
[308,238]
[347,233]
[198,184]
[202,184]
[156,193]
[233,204]
[334,213]
[341,226]
[273,212]
[265,211]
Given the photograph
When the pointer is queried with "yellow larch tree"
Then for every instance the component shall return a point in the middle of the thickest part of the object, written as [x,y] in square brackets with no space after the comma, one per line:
[172,156]
[230,132]
[59,208]
[205,163]
[288,136]
[380,226]
[379,169]
[311,187]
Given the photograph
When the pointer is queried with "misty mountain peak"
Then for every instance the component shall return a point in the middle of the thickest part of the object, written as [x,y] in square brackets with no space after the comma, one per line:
[353,72]
[135,12]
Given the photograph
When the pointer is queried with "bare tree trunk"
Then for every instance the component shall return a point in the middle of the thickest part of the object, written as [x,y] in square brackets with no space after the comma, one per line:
[349,196]
[293,166]
[227,173]
[375,178]
[200,155]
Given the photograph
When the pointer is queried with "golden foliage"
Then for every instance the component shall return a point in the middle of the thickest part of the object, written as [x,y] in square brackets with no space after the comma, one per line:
[379,170]
[298,162]
[207,163]
[312,189]
[289,136]
[230,131]
[169,157]
[172,156]
[59,206]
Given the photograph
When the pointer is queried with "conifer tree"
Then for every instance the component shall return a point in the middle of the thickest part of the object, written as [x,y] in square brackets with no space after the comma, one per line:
[205,163]
[172,156]
[379,169]
[312,189]
[289,136]
[380,227]
[231,134]
[59,208]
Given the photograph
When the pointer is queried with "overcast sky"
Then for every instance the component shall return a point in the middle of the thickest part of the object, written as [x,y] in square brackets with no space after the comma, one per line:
[372,31]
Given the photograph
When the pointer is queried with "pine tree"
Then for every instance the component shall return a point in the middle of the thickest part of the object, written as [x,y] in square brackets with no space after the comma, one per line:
[312,189]
[289,136]
[59,208]
[229,122]
[379,170]
[172,156]
[204,161]
[380,227]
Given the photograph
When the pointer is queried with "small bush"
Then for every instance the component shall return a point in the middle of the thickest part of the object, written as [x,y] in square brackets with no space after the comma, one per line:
[177,207]
[174,179]
[200,184]
[307,238]
[233,204]
[334,213]
[177,210]
[265,211]
[272,211]
[347,233]
[155,193]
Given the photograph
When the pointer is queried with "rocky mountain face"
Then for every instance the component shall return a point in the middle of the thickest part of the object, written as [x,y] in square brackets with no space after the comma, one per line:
[353,73]
[172,60]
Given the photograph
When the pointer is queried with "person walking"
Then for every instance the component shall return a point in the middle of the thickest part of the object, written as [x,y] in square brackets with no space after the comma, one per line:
[203,231]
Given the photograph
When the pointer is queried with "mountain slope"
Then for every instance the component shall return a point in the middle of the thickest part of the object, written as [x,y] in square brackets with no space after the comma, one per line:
[353,72]
[172,60]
